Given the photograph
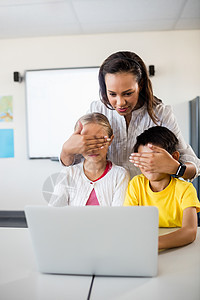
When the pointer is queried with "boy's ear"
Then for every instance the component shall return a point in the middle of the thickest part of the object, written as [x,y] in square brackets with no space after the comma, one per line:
[176,155]
[112,137]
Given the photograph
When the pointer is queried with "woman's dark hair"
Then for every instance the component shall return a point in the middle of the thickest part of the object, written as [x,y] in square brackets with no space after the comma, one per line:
[129,62]
[158,136]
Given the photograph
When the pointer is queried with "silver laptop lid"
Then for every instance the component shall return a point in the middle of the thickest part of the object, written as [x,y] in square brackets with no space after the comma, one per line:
[109,241]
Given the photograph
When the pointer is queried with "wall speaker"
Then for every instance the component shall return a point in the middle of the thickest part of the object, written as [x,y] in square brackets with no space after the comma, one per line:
[151,70]
[17,77]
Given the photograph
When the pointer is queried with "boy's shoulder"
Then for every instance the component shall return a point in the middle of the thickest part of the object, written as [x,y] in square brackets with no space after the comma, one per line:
[182,184]
[139,179]
[179,184]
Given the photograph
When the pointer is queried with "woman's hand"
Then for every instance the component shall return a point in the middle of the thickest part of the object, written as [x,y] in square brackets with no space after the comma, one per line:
[80,143]
[157,160]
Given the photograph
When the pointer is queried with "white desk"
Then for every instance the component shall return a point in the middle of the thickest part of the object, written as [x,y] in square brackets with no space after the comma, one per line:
[178,276]
[20,280]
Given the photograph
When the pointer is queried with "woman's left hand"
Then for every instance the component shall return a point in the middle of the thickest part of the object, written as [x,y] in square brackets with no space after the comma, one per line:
[157,160]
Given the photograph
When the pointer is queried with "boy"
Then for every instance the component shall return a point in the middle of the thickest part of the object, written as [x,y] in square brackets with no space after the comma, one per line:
[175,199]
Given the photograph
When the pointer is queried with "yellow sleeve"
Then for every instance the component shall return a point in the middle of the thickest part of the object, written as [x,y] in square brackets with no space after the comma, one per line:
[190,198]
[131,198]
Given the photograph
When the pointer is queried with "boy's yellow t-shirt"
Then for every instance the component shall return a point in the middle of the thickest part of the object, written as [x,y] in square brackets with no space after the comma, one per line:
[170,202]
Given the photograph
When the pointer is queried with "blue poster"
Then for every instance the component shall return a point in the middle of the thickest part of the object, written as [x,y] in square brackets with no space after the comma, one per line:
[6,143]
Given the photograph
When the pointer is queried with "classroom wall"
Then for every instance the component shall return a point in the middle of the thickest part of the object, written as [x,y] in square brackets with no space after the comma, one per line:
[175,55]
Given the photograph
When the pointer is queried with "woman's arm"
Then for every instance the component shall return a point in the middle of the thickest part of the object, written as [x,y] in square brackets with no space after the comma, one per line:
[161,161]
[183,236]
[66,158]
[190,171]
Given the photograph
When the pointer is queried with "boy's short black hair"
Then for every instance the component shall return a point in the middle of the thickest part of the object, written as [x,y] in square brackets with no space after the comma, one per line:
[158,136]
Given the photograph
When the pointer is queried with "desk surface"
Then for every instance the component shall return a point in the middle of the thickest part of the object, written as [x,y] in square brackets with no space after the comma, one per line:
[178,278]
[178,275]
[20,280]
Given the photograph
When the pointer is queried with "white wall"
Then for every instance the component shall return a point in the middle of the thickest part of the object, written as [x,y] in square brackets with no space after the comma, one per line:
[175,55]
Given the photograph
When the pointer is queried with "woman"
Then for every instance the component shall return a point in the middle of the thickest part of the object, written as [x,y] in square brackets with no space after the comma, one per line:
[96,180]
[128,102]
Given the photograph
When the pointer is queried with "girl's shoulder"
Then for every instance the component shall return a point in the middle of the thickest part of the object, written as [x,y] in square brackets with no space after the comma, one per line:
[67,175]
[77,168]
[120,170]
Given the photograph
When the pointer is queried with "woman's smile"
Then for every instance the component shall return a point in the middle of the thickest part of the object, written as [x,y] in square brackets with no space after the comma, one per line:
[122,110]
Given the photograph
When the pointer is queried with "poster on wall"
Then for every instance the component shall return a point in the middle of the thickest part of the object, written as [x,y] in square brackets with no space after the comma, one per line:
[6,143]
[6,109]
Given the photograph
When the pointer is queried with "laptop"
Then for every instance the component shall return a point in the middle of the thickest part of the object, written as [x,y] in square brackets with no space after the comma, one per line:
[93,240]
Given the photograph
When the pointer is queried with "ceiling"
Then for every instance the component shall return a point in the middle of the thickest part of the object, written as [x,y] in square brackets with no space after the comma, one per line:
[31,18]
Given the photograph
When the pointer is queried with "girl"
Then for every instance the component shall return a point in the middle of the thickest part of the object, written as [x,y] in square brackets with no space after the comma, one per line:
[96,180]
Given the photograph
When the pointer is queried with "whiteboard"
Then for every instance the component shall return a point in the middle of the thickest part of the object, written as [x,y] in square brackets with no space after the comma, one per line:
[55,99]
